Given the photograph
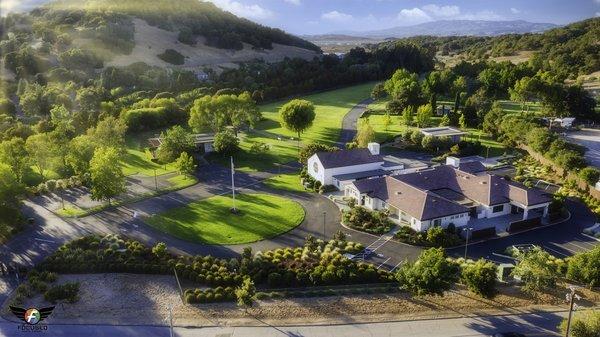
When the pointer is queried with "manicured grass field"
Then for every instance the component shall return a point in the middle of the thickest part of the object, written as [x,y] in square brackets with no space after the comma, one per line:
[210,220]
[287,182]
[330,108]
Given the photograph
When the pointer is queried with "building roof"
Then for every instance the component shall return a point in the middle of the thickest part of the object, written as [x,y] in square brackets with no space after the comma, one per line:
[360,175]
[344,158]
[442,131]
[445,190]
[422,205]
[472,167]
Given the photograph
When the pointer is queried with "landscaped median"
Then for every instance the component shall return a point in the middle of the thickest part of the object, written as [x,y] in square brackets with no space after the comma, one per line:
[211,221]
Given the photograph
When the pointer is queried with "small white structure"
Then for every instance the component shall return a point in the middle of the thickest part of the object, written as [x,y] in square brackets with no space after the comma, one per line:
[444,131]
[340,168]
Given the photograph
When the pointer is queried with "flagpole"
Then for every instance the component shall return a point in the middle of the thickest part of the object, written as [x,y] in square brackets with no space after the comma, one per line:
[233,184]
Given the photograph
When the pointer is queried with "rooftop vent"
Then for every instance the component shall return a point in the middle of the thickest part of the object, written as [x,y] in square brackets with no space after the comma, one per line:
[398,192]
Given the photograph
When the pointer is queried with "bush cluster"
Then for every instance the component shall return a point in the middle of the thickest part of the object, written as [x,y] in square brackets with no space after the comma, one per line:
[218,294]
[360,218]
[433,237]
[63,292]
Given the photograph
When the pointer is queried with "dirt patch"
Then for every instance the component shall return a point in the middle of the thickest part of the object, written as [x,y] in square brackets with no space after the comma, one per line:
[112,298]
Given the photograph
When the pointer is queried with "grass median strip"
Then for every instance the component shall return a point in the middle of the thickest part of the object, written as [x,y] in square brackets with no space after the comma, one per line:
[261,216]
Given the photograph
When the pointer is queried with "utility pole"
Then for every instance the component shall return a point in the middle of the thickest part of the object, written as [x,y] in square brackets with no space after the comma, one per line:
[468,229]
[155,181]
[171,321]
[324,215]
[571,297]
[233,185]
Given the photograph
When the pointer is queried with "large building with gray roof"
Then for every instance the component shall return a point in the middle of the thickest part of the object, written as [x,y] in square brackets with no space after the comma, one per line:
[446,194]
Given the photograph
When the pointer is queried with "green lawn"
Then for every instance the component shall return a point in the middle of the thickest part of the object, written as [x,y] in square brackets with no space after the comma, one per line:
[330,108]
[138,159]
[287,182]
[210,220]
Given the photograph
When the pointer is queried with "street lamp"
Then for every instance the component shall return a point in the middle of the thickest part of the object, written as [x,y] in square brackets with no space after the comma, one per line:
[324,215]
[468,230]
[571,297]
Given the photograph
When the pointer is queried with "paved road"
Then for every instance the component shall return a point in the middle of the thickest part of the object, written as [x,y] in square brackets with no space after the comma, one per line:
[590,138]
[349,122]
[535,324]
[561,240]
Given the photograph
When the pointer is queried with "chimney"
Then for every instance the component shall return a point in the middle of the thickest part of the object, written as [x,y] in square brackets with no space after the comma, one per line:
[454,161]
[373,148]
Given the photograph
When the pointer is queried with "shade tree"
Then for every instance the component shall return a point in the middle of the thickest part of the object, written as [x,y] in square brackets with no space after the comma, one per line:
[106,174]
[297,115]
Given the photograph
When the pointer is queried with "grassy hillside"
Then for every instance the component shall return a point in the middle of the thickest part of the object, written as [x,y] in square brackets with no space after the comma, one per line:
[570,50]
[330,108]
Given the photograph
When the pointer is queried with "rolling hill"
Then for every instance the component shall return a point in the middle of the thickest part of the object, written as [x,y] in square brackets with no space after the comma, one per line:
[122,32]
[458,28]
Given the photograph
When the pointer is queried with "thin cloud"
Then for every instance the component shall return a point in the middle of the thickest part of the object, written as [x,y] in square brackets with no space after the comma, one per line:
[293,2]
[336,16]
[252,11]
[414,15]
[442,11]
[514,10]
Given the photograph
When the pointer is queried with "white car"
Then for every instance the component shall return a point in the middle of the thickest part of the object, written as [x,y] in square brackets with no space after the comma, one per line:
[593,231]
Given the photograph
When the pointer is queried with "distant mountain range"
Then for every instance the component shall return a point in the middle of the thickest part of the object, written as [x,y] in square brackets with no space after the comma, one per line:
[452,28]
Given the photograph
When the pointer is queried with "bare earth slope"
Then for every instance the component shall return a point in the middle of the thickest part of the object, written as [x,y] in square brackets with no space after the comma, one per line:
[151,41]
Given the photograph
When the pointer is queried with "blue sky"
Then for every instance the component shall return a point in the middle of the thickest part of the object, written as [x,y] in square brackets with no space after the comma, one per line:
[323,16]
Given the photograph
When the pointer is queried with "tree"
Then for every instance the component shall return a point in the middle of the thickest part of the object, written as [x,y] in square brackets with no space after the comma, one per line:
[584,324]
[523,91]
[14,154]
[537,270]
[106,174]
[445,120]
[110,132]
[88,102]
[160,250]
[81,151]
[430,274]
[174,142]
[407,116]
[476,107]
[308,150]
[458,87]
[387,121]
[10,188]
[378,91]
[433,86]
[185,164]
[404,87]
[585,267]
[245,293]
[492,120]
[226,142]
[365,133]
[590,175]
[218,111]
[7,107]
[480,277]
[39,147]
[297,116]
[424,114]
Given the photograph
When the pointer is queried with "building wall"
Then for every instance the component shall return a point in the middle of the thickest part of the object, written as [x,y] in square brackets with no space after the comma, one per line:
[325,176]
[488,211]
[459,220]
